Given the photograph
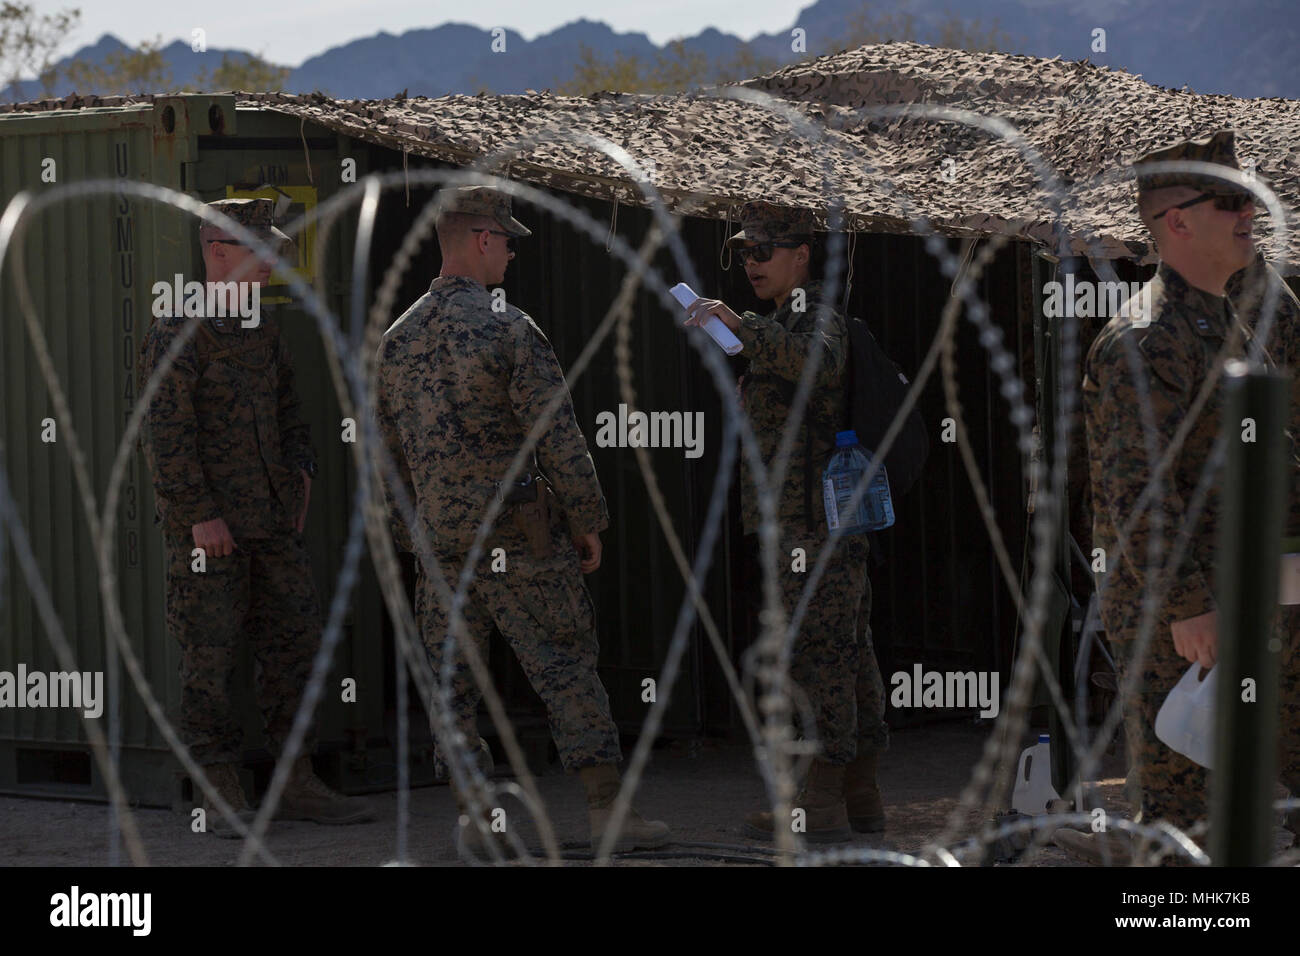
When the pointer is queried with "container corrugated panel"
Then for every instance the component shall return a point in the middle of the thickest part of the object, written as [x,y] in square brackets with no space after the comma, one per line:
[87,262]
[92,265]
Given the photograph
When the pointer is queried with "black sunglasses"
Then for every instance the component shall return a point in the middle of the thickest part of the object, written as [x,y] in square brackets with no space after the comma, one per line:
[763,251]
[1235,202]
[510,240]
[231,242]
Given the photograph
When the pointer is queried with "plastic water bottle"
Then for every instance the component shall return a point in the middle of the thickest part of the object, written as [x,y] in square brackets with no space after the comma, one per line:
[847,466]
[1034,788]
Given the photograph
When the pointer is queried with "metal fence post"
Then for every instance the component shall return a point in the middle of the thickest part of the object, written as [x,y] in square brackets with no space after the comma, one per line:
[1250,541]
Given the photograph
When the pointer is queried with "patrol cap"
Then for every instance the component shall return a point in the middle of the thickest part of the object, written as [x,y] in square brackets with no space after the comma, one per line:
[255,215]
[763,222]
[1218,149]
[483,201]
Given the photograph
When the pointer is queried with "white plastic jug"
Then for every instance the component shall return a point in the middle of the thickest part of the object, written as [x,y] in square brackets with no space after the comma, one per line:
[1186,719]
[1288,591]
[1034,779]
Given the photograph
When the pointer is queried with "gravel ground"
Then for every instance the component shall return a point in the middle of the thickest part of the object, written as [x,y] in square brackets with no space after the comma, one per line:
[701,788]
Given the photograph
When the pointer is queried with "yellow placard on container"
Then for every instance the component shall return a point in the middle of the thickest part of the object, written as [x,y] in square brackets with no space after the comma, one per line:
[302,200]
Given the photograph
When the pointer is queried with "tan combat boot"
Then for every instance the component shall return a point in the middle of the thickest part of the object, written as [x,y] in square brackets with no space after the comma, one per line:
[306,797]
[224,778]
[601,783]
[862,795]
[822,801]
[476,841]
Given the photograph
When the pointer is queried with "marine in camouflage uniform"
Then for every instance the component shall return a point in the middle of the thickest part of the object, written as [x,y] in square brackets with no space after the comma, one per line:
[224,439]
[461,385]
[1158,360]
[833,661]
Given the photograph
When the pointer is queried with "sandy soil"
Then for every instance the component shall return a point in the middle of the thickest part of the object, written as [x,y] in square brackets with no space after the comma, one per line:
[701,788]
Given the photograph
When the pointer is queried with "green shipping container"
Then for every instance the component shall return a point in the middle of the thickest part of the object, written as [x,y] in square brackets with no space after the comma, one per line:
[91,265]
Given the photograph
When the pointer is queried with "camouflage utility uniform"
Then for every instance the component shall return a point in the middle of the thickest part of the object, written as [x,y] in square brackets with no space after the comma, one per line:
[833,660]
[460,387]
[1144,371]
[224,438]
[1169,351]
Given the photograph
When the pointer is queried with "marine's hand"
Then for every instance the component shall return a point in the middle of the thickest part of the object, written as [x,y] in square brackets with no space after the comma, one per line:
[588,546]
[306,499]
[1197,638]
[214,538]
[698,312]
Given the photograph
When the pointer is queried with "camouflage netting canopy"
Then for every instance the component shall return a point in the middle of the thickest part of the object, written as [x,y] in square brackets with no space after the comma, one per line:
[708,154]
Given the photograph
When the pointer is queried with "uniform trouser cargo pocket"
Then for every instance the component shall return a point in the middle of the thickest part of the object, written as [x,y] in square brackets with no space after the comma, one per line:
[546,616]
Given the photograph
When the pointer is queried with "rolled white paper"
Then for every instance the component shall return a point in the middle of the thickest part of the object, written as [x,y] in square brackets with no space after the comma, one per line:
[716,328]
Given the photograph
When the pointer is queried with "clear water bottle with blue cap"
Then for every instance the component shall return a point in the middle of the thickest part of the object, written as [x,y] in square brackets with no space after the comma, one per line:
[847,466]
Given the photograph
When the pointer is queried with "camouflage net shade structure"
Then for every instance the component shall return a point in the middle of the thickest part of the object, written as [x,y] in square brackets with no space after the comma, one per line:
[699,153]
[707,157]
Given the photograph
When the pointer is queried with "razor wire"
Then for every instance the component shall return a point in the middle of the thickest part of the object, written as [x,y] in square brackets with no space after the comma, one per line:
[355,384]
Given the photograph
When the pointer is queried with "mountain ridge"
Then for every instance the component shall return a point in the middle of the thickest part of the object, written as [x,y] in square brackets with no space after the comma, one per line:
[1227,52]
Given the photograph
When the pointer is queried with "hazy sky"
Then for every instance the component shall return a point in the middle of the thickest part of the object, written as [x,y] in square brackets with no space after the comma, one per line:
[289,31]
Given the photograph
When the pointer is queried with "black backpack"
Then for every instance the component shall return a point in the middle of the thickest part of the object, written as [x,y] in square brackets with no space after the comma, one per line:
[875,389]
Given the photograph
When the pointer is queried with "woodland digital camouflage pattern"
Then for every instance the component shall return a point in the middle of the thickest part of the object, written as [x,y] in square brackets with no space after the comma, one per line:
[255,215]
[263,593]
[834,662]
[777,346]
[544,611]
[460,386]
[484,201]
[763,222]
[1172,350]
[224,438]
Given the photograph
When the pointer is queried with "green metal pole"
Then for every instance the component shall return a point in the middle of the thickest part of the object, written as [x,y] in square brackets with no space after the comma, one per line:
[1058,633]
[1250,541]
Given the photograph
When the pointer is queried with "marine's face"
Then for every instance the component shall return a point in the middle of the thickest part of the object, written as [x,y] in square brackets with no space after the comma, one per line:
[229,259]
[775,278]
[1226,237]
[497,251]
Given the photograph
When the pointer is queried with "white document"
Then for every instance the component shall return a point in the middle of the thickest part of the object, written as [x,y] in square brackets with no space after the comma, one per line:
[716,328]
